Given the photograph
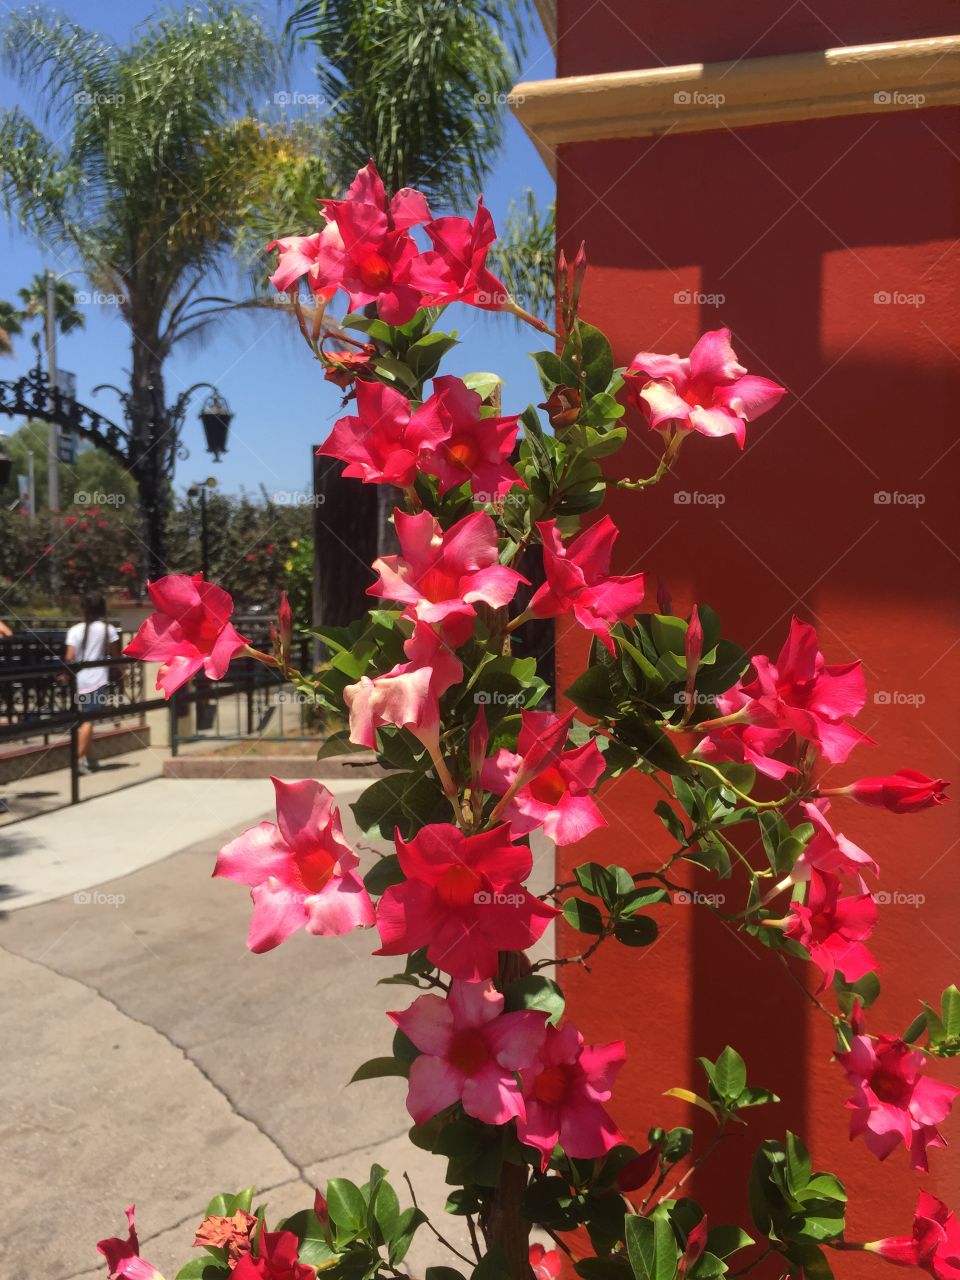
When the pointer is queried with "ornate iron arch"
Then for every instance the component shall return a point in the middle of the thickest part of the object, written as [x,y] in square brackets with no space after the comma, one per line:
[31,396]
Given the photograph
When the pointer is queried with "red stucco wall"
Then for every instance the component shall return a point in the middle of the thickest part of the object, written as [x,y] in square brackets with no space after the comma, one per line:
[798,226]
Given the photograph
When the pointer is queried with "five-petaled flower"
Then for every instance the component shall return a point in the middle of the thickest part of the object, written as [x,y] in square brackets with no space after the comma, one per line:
[441,573]
[463,447]
[470,1052]
[383,441]
[579,581]
[565,1090]
[302,871]
[554,788]
[276,1259]
[833,929]
[190,630]
[463,899]
[933,1245]
[893,1101]
[708,391]
[828,851]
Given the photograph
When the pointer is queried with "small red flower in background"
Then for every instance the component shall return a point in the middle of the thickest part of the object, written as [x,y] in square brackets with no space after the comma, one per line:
[905,791]
[934,1244]
[123,1256]
[833,929]
[276,1259]
[544,1263]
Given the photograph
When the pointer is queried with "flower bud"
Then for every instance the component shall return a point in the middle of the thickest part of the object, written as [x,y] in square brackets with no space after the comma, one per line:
[563,407]
[905,791]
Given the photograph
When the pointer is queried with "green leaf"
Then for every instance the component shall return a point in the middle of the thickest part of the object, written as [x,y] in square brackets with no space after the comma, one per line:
[592,693]
[339,744]
[377,1068]
[535,992]
[384,872]
[492,1266]
[583,915]
[405,800]
[950,1012]
[726,1239]
[730,1075]
[483,383]
[651,1248]
[638,931]
[407,1226]
[347,1207]
[203,1269]
[596,879]
[314,1249]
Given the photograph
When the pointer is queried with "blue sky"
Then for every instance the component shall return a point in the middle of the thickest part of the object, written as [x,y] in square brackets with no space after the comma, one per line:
[280,401]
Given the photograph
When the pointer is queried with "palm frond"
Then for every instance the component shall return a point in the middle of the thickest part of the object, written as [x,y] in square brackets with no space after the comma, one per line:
[524,255]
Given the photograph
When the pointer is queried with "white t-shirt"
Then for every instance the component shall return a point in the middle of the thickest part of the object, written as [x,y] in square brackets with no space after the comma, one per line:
[100,636]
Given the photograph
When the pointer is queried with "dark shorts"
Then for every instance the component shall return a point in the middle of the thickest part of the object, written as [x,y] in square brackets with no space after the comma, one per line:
[95,698]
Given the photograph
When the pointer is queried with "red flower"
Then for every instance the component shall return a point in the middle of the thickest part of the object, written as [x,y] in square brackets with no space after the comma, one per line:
[579,583]
[461,446]
[123,1256]
[833,929]
[276,1260]
[462,899]
[382,442]
[544,1263]
[934,1245]
[905,791]
[234,1234]
[893,1102]
[455,270]
[190,630]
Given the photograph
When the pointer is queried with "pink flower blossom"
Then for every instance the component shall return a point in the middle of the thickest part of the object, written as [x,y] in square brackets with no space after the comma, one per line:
[709,391]
[462,899]
[833,929]
[298,257]
[123,1256]
[564,1092]
[905,791]
[828,852]
[455,270]
[579,583]
[302,871]
[934,1245]
[544,1263]
[799,694]
[190,630]
[382,442]
[465,447]
[470,1052]
[407,696]
[893,1101]
[556,789]
[276,1260]
[408,208]
[439,573]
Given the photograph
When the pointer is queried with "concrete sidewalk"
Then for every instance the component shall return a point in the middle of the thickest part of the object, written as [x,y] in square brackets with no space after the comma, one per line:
[150,1057]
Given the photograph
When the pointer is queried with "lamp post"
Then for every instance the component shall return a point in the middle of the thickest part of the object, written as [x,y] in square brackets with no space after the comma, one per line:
[6,466]
[199,490]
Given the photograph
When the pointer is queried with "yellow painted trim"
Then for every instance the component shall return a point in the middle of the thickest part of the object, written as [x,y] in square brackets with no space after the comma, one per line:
[904,75]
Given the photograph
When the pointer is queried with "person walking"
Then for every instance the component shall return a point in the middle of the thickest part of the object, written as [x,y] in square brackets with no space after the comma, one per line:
[90,641]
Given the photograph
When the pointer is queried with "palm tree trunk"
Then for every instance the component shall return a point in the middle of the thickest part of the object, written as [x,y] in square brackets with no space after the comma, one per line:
[150,447]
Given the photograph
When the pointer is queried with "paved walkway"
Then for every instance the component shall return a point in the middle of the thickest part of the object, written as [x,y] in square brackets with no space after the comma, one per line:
[149,1057]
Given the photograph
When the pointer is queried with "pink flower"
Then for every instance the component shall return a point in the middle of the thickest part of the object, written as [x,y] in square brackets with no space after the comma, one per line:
[564,1091]
[934,1245]
[455,270]
[302,871]
[709,391]
[892,1101]
[276,1260]
[463,445]
[470,1052]
[578,580]
[190,630]
[441,573]
[544,1263]
[382,443]
[905,791]
[829,852]
[555,790]
[800,694]
[370,263]
[123,1256]
[833,929]
[407,696]
[297,257]
[462,899]
[408,208]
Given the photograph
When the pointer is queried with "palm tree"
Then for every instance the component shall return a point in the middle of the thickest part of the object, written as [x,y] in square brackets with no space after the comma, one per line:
[155,177]
[11,325]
